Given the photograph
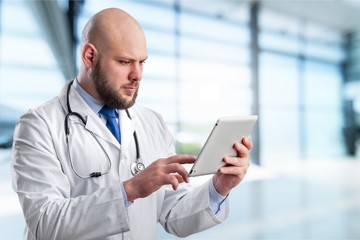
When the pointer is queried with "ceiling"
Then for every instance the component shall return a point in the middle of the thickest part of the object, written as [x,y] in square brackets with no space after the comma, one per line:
[342,15]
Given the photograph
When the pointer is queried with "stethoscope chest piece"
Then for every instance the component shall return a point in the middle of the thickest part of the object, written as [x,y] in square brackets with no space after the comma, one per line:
[137,167]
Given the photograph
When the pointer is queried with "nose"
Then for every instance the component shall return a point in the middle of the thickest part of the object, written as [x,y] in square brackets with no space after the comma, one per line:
[135,71]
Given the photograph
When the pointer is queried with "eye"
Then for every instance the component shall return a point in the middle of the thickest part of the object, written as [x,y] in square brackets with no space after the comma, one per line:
[142,62]
[124,62]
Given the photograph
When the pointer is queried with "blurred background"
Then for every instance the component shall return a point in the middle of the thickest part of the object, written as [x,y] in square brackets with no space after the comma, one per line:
[296,64]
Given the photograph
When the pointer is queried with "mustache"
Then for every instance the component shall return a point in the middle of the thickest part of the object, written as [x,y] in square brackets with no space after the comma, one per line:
[132,85]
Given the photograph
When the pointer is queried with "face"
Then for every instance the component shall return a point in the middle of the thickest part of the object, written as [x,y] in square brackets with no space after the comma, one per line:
[111,96]
[118,71]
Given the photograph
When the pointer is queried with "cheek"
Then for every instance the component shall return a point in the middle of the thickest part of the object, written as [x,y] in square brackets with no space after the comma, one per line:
[118,74]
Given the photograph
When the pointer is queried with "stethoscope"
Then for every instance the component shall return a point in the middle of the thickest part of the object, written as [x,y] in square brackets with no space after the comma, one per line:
[135,167]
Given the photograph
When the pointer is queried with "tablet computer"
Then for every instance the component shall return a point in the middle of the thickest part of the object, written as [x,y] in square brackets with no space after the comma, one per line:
[219,144]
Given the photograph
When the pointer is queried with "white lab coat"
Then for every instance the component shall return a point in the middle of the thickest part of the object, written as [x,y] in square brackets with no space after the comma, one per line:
[57,204]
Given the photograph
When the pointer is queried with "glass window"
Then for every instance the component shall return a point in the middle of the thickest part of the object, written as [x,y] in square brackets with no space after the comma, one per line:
[323,84]
[280,135]
[316,32]
[279,101]
[324,133]
[159,67]
[30,51]
[215,89]
[213,28]
[237,11]
[276,22]
[279,32]
[214,51]
[279,42]
[297,94]
[327,52]
[23,15]
[278,81]
[324,43]
[29,72]
[214,75]
[160,42]
[37,86]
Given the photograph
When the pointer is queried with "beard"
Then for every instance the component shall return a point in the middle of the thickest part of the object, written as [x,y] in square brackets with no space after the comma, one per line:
[107,93]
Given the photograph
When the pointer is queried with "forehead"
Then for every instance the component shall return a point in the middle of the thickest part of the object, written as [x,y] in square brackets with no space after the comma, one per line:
[130,44]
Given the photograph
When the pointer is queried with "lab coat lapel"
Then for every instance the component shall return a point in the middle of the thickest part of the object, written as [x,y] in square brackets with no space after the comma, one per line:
[95,125]
[126,129]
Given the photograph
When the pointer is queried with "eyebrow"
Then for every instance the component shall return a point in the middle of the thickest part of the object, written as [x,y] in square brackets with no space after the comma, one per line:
[144,59]
[132,59]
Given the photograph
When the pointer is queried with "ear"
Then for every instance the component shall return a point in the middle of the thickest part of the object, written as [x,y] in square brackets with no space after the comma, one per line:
[89,55]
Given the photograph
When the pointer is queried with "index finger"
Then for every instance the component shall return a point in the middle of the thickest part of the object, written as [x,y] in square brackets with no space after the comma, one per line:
[182,159]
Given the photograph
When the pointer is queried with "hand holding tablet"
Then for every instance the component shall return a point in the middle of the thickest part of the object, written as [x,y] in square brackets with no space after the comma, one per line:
[226,132]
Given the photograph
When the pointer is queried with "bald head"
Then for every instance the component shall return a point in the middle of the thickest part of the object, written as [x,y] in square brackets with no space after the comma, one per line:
[110,26]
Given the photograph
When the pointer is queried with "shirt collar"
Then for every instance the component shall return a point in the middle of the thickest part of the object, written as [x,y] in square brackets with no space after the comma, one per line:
[94,104]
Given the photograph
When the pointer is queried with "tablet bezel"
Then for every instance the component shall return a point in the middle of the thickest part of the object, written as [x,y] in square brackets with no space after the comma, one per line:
[219,144]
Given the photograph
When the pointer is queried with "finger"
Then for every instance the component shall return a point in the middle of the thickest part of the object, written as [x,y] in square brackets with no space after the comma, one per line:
[241,149]
[247,143]
[179,178]
[236,161]
[174,180]
[178,169]
[233,170]
[181,159]
[234,165]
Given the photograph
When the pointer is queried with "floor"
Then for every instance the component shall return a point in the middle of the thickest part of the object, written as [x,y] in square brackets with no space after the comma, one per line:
[304,199]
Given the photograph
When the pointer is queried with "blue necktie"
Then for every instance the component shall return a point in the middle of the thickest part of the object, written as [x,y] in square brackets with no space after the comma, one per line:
[110,116]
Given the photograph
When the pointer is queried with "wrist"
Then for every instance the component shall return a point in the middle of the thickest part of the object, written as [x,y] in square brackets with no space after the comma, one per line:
[219,188]
[129,191]
[124,195]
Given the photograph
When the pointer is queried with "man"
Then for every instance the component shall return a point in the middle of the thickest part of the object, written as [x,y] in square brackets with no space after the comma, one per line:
[76,182]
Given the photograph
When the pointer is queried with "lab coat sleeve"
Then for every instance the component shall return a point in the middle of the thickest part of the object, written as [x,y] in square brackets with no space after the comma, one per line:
[192,213]
[45,195]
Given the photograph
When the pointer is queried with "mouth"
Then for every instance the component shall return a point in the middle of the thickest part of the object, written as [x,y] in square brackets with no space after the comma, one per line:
[130,90]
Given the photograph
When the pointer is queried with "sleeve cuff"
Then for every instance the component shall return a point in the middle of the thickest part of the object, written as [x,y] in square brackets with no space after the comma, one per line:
[216,200]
